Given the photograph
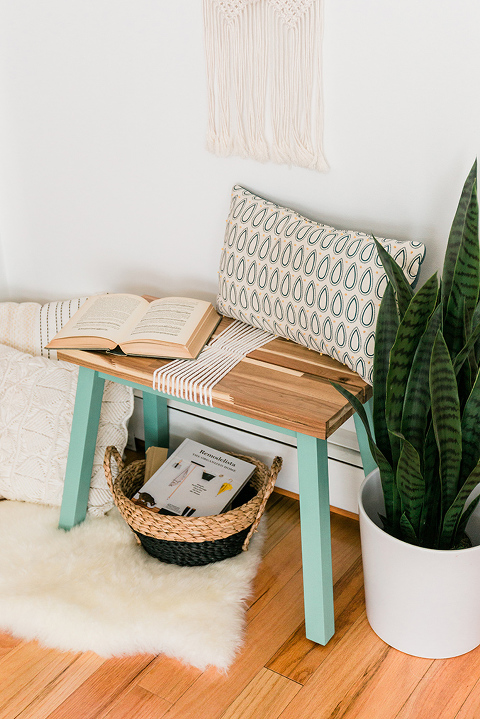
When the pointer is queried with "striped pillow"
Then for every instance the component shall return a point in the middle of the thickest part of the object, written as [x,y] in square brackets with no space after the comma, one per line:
[29,326]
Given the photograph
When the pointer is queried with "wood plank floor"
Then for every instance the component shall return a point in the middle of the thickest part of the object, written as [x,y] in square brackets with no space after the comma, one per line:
[279,673]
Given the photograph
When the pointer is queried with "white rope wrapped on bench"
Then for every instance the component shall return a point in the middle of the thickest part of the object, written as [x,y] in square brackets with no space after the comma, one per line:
[194,380]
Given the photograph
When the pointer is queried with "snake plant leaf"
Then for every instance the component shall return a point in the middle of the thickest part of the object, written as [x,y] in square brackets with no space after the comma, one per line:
[395,274]
[416,404]
[386,526]
[390,493]
[468,318]
[475,323]
[464,214]
[472,367]
[463,296]
[466,375]
[360,410]
[407,531]
[470,425]
[465,517]
[452,517]
[409,332]
[476,316]
[446,418]
[410,482]
[472,362]
[431,512]
[453,324]
[465,362]
[385,333]
[461,273]
[430,450]
[467,348]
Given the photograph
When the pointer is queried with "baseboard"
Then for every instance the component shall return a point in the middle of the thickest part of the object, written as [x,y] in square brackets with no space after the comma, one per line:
[336,510]
[344,513]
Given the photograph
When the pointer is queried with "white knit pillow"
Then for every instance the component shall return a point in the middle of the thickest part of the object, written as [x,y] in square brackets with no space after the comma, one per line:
[37,397]
[27,327]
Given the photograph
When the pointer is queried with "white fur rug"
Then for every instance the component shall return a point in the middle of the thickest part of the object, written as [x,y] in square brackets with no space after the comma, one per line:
[94,588]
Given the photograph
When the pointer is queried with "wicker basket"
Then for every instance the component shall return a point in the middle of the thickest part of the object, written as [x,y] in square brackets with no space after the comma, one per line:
[190,541]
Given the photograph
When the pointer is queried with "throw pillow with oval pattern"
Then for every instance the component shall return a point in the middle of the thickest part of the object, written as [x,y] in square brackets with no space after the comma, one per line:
[306,281]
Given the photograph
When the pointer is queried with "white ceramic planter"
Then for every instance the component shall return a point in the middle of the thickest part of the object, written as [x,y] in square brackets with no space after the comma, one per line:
[424,602]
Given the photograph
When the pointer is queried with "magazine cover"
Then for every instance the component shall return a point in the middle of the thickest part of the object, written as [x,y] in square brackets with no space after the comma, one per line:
[195,481]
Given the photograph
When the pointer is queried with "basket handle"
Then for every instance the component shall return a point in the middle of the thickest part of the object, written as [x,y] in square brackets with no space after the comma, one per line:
[274,470]
[107,464]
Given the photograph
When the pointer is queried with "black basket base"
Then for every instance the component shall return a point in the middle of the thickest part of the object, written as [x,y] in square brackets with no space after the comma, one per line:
[194,554]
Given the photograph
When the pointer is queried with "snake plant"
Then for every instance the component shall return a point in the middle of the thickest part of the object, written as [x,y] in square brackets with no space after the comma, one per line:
[426,391]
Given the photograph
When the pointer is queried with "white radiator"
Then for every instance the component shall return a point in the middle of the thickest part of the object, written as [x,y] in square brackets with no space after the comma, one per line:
[345,467]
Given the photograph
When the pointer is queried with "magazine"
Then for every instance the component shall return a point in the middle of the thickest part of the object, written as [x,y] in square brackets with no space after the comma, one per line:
[195,481]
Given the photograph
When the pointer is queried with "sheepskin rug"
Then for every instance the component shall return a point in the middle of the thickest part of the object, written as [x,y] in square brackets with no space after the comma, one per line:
[94,588]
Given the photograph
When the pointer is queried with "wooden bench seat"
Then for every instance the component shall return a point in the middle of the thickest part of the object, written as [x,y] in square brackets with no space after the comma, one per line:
[283,386]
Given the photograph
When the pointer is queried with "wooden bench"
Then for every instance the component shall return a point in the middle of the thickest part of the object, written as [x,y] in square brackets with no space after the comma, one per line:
[282,386]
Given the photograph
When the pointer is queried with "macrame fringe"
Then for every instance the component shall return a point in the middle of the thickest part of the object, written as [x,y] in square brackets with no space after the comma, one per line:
[264,77]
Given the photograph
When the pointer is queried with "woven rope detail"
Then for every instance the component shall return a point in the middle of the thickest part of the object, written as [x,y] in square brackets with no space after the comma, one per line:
[291,10]
[232,8]
[195,380]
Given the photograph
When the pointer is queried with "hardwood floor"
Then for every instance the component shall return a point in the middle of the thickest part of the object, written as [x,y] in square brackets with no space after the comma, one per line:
[278,673]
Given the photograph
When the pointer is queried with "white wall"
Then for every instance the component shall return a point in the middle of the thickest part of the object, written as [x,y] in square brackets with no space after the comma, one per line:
[104,180]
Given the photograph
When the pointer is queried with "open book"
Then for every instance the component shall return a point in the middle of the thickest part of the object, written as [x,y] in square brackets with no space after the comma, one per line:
[169,327]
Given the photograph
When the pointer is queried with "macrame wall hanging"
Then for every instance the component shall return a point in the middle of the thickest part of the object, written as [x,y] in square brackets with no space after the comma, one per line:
[264,77]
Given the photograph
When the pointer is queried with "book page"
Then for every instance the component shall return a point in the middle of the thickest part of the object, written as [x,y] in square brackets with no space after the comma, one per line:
[170,319]
[110,316]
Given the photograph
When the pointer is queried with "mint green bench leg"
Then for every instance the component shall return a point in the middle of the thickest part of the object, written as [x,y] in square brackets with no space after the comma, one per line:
[83,438]
[155,420]
[316,541]
[368,462]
